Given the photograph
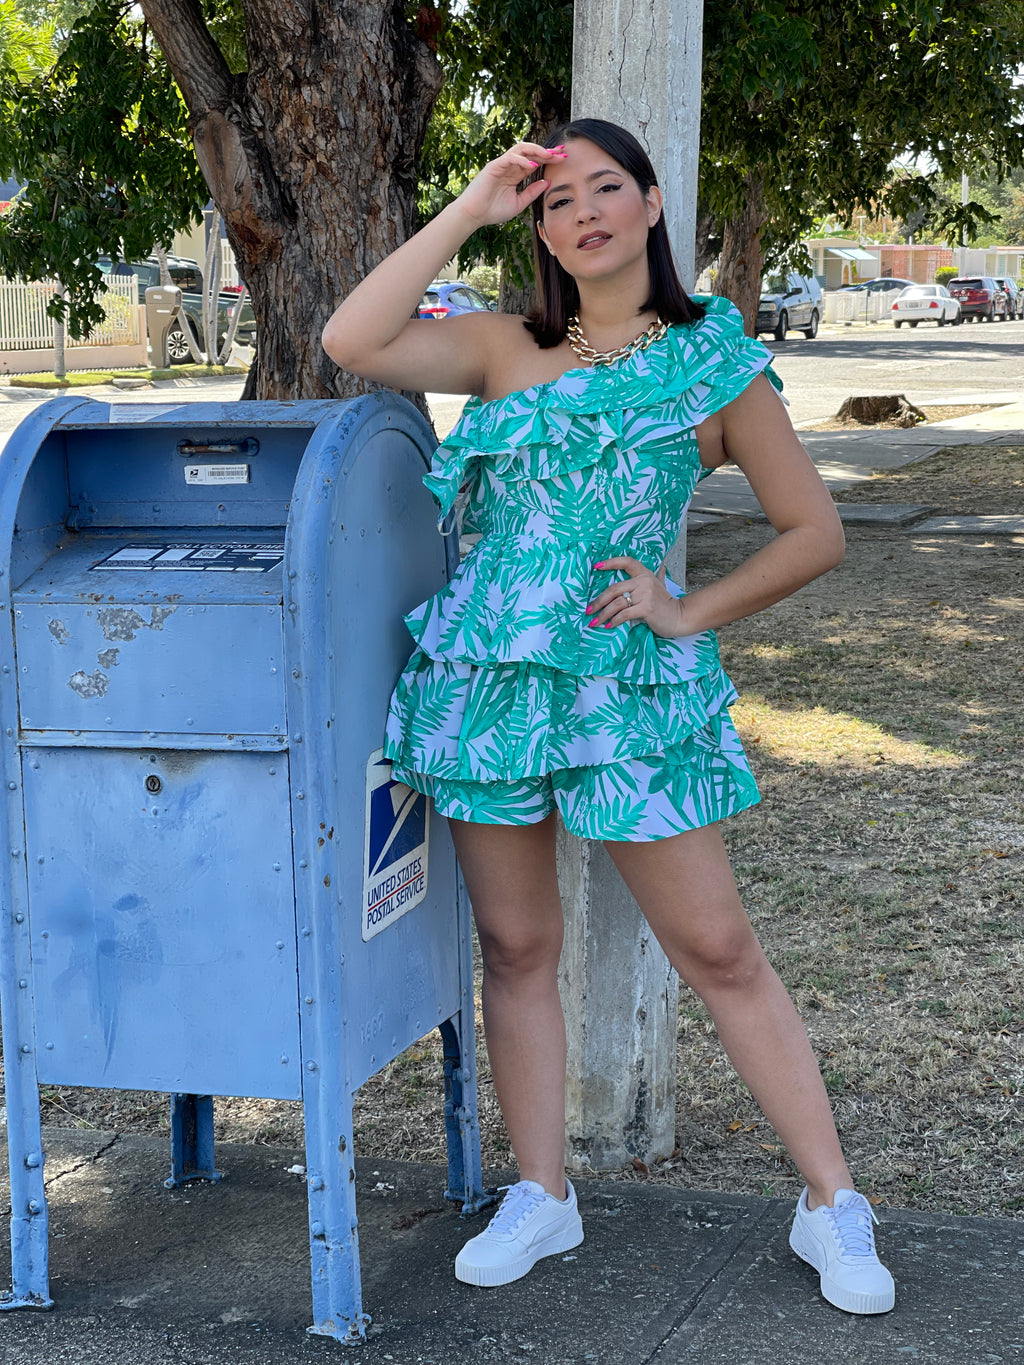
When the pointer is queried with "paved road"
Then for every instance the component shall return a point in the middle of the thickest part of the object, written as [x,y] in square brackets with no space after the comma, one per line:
[926,364]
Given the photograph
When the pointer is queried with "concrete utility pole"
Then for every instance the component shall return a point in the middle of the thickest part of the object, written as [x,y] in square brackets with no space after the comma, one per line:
[636,64]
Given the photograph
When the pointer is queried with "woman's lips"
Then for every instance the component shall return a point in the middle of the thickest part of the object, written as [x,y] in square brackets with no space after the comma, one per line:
[590,243]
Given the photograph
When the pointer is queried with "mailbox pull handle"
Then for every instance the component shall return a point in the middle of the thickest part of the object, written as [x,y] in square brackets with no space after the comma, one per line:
[247,447]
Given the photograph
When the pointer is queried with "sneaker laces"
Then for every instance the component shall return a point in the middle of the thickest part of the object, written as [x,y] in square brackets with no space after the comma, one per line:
[851,1222]
[519,1203]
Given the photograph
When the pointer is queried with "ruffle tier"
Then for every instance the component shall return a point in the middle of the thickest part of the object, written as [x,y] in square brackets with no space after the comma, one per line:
[567,424]
[536,615]
[501,722]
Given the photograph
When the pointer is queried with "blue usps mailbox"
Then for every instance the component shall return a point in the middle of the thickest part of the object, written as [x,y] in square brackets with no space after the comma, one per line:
[213,886]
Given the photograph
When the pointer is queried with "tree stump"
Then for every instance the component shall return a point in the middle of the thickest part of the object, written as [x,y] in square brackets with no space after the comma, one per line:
[892,408]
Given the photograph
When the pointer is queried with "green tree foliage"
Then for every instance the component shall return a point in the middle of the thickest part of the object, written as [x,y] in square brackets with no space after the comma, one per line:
[806,104]
[508,69]
[59,15]
[814,99]
[26,47]
[101,147]
[1000,198]
[1013,219]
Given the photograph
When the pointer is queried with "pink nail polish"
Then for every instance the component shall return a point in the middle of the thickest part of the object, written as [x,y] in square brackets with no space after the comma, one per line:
[599,566]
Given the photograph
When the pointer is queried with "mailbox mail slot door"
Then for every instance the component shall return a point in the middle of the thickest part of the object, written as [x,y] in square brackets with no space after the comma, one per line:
[146,669]
[163,925]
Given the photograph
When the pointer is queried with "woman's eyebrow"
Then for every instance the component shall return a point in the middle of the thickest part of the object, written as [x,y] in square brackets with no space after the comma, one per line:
[594,175]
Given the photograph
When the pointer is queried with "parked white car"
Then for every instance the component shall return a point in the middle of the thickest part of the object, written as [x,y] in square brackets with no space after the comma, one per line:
[925,303]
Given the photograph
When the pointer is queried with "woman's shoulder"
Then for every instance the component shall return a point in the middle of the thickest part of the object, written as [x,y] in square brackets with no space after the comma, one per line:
[517,364]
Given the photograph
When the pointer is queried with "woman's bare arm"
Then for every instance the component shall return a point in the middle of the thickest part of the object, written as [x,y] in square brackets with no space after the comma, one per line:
[759,437]
[373,333]
[755,432]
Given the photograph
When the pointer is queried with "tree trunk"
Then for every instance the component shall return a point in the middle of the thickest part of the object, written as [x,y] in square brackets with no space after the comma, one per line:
[310,156]
[708,241]
[741,264]
[550,109]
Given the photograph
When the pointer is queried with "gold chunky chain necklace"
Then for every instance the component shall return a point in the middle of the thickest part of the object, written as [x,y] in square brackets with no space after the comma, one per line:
[582,347]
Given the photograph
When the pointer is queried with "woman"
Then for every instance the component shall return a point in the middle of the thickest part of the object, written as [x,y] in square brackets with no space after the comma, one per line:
[558,670]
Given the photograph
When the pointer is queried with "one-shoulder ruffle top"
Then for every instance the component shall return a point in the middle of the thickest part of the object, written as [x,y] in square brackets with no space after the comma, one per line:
[507,680]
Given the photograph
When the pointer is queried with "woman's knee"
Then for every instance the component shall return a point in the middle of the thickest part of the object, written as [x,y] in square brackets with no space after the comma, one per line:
[514,950]
[730,961]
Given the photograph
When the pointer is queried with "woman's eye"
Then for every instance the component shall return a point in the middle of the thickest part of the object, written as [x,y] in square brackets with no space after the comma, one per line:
[609,185]
[557,203]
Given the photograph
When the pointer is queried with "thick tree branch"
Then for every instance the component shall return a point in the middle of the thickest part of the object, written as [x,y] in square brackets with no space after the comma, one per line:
[196,61]
[226,147]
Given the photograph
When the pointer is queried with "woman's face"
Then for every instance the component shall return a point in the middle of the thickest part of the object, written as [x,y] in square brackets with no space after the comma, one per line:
[595,220]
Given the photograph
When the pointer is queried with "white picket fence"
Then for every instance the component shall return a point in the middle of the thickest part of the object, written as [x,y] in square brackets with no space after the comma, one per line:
[864,306]
[25,325]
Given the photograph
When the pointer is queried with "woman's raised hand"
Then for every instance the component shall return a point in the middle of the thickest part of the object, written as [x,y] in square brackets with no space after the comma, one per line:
[493,196]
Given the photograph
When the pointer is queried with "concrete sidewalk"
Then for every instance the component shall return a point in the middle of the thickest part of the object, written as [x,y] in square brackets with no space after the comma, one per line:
[219,1275]
[844,458]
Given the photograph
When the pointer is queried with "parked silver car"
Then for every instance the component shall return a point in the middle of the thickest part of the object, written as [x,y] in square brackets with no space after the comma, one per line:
[789,303]
[1014,296]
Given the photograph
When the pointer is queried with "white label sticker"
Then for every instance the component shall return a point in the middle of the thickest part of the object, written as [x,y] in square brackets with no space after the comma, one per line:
[227,557]
[395,847]
[140,412]
[216,473]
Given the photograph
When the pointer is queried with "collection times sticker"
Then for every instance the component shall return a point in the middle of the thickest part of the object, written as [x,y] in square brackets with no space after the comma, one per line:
[396,840]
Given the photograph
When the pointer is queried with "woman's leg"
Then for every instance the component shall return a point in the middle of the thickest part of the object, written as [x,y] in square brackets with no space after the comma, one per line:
[685,888]
[513,888]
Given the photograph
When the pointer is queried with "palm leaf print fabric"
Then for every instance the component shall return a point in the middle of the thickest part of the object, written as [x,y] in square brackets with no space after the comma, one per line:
[507,684]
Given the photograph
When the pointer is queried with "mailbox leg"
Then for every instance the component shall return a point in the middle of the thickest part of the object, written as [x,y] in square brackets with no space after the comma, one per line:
[333,1238]
[191,1140]
[458,1035]
[462,1124]
[30,1278]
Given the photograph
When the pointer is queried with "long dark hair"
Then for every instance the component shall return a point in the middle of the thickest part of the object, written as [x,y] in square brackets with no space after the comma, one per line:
[557,295]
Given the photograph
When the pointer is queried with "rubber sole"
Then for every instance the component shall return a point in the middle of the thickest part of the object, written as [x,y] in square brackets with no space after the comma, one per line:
[849,1300]
[490,1277]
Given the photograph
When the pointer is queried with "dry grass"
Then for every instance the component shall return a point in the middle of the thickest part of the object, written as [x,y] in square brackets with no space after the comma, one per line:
[882,871]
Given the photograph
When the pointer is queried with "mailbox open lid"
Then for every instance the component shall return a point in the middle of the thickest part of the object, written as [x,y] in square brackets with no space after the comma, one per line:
[148,543]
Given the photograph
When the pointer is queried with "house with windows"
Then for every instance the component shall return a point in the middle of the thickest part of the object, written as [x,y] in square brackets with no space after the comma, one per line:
[838,261]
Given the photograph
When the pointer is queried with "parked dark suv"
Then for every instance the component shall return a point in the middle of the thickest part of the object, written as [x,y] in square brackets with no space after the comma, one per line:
[1014,296]
[980,298]
[789,302]
[188,276]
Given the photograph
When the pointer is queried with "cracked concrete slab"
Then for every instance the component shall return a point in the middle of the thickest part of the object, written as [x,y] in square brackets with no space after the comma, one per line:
[970,526]
[219,1274]
[938,1319]
[881,513]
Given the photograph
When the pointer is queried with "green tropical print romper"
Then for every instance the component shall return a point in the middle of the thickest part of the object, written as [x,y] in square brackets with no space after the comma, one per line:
[510,705]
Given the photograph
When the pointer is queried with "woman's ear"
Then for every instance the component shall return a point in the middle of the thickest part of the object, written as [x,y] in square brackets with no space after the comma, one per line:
[543,235]
[654,205]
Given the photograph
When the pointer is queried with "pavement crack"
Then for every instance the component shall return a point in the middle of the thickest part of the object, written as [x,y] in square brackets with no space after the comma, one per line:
[81,1165]
[702,1303]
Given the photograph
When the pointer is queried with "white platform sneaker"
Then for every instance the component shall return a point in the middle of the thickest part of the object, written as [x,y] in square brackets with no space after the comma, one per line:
[529,1224]
[839,1242]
